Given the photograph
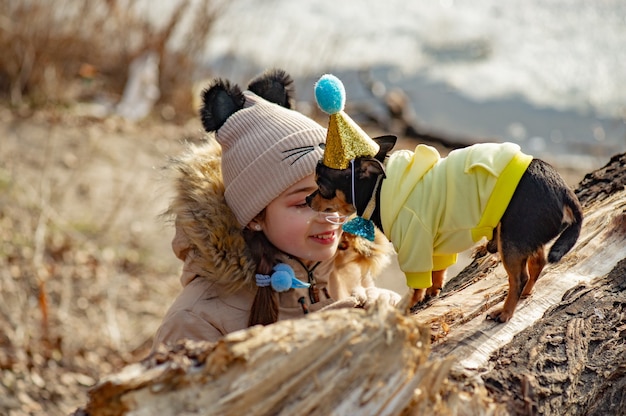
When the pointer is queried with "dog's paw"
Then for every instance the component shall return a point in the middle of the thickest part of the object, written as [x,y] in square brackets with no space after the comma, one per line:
[500,316]
[432,292]
[424,295]
[418,296]
[528,290]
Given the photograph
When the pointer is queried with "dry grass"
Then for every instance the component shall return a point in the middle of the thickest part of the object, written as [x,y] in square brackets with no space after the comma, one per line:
[86,272]
[57,52]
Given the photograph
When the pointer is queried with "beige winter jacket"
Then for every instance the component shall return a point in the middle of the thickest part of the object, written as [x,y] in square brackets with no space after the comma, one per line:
[218,275]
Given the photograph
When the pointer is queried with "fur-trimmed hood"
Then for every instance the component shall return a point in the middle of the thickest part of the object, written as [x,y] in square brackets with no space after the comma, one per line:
[208,237]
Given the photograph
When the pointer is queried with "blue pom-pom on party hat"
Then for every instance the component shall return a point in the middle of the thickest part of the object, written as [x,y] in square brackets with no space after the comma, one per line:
[330,94]
[345,140]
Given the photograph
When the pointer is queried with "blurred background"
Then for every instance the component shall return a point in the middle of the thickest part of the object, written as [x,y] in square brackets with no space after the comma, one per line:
[546,75]
[96,95]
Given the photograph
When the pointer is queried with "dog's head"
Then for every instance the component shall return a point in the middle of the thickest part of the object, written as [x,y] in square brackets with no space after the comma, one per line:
[348,190]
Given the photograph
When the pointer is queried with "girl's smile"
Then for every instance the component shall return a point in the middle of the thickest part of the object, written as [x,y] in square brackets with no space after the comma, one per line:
[328,237]
[294,228]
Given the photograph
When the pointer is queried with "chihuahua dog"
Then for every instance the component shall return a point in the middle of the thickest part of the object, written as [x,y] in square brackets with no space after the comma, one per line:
[542,207]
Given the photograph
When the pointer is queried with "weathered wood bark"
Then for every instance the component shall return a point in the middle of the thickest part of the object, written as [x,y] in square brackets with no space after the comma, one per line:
[336,362]
[563,353]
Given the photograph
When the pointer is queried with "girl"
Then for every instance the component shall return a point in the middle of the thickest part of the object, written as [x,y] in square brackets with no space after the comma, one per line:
[253,251]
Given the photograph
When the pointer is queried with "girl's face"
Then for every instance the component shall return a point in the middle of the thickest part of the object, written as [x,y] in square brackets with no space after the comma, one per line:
[296,229]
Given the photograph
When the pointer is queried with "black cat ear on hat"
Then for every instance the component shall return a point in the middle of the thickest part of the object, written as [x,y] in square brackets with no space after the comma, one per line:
[220,100]
[275,86]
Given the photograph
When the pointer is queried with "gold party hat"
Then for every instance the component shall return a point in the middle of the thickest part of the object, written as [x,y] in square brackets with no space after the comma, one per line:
[345,140]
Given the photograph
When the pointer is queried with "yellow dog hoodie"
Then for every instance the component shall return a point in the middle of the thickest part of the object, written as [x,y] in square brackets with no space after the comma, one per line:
[433,208]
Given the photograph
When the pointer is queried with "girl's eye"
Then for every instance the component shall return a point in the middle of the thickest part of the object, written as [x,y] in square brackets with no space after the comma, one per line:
[302,205]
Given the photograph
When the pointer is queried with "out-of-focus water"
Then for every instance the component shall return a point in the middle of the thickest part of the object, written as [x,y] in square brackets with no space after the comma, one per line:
[550,75]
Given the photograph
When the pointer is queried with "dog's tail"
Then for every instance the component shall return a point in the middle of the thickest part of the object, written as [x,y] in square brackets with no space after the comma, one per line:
[572,223]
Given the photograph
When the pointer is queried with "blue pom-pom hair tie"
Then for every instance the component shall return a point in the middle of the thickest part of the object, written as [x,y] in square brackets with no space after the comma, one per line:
[283,279]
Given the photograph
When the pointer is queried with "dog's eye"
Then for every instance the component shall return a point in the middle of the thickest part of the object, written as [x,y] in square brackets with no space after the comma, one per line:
[326,193]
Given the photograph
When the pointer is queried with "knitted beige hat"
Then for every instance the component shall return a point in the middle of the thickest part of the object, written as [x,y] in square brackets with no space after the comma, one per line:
[266,148]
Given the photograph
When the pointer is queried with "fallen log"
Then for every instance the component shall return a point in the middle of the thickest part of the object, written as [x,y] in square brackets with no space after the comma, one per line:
[564,351]
[336,362]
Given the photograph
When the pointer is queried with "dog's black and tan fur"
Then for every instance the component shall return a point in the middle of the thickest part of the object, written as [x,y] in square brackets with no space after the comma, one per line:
[542,208]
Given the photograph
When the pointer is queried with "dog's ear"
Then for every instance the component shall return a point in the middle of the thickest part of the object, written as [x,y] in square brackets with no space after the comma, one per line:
[371,168]
[275,86]
[386,143]
[220,100]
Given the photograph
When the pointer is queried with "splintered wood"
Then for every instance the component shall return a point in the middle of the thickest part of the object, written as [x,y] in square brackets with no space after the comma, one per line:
[329,363]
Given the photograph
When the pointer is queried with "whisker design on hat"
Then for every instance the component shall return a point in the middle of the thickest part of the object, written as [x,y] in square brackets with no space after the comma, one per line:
[300,152]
